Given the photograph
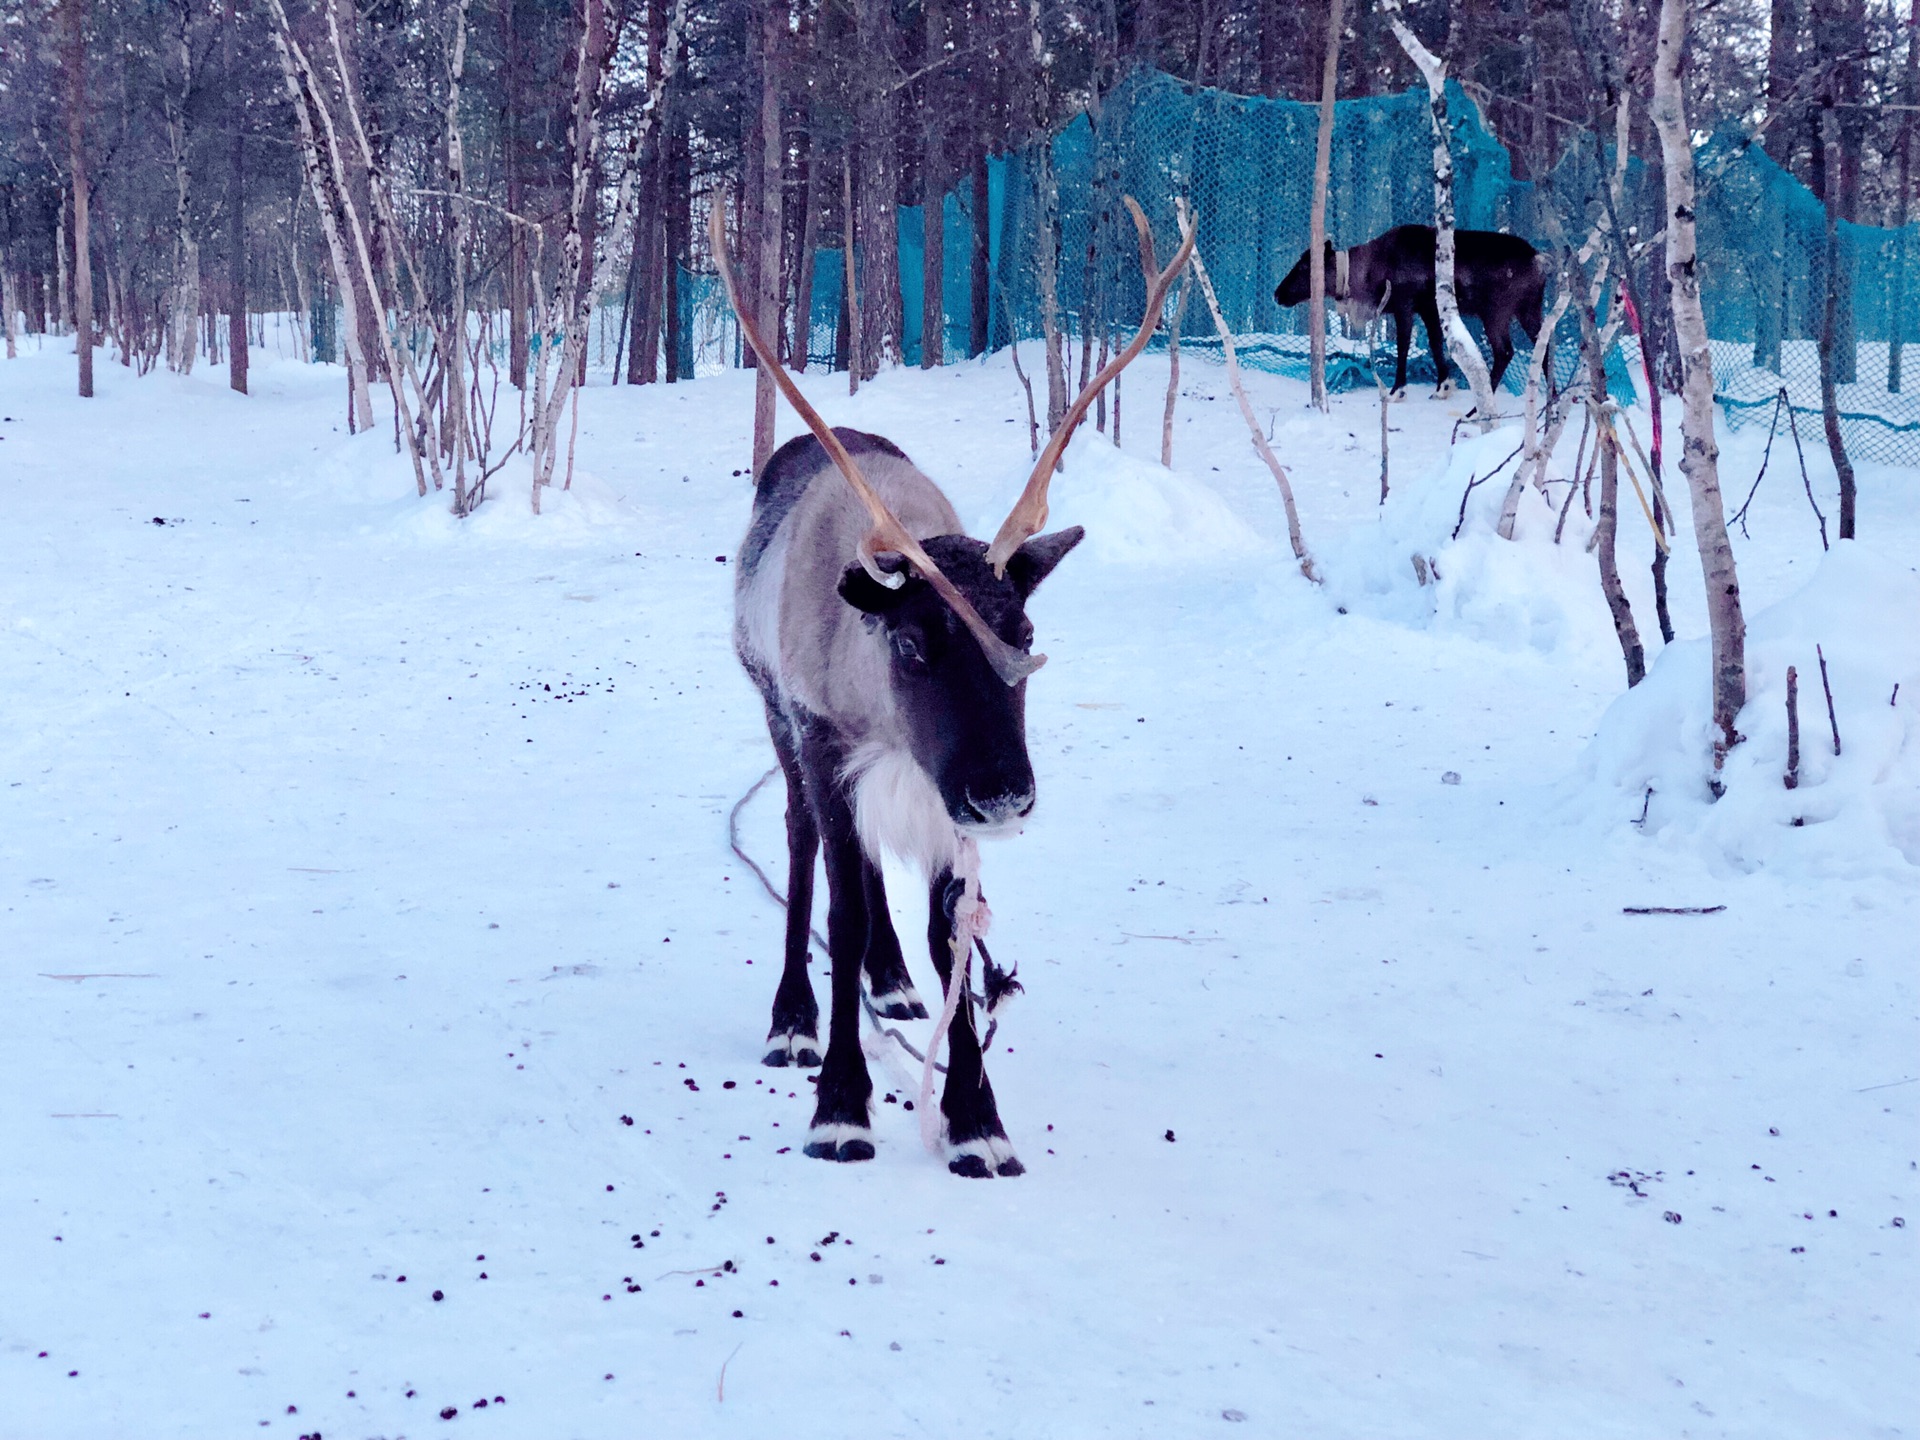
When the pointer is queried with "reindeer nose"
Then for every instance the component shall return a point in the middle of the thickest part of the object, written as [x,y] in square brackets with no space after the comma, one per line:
[1014,805]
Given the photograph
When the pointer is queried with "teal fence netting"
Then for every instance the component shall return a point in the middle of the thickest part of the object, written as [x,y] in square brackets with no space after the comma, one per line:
[1245,165]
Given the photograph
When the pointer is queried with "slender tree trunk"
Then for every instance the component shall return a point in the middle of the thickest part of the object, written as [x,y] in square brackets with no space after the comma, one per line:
[679,230]
[183,314]
[1460,342]
[810,179]
[648,261]
[1831,340]
[1782,75]
[933,207]
[1700,461]
[1317,224]
[850,328]
[980,291]
[1903,198]
[880,303]
[73,14]
[1300,552]
[1173,371]
[63,262]
[1046,187]
[454,362]
[766,299]
[517,288]
[236,215]
[329,201]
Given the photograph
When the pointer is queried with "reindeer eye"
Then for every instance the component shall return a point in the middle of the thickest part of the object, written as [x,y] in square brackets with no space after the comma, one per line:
[908,649]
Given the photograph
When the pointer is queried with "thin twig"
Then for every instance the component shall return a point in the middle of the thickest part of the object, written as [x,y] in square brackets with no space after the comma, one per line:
[1474,482]
[1793,425]
[1740,515]
[1832,720]
[720,1390]
[1671,909]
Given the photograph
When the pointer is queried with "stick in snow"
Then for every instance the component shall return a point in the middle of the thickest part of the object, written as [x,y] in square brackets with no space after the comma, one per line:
[1793,729]
[1832,720]
[1671,909]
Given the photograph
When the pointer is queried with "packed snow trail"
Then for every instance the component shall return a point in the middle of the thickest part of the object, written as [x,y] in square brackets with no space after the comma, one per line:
[363,873]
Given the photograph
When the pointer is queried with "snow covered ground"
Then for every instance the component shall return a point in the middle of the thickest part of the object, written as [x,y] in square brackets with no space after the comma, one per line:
[364,873]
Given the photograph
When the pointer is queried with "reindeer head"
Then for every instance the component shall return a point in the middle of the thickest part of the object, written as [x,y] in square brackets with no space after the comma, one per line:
[1297,288]
[1357,288]
[965,726]
[959,641]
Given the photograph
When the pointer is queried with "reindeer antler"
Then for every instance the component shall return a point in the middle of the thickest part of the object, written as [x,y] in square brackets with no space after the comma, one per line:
[1030,511]
[1010,664]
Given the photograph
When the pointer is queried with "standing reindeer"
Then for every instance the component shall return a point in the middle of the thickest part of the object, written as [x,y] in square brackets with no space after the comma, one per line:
[892,652]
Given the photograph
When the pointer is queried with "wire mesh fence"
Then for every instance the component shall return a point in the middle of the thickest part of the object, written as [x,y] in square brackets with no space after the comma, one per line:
[1245,165]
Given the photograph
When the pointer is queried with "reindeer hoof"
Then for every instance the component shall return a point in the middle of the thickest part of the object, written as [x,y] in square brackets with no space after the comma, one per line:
[1399,392]
[1443,390]
[901,1004]
[843,1143]
[984,1158]
[795,1049]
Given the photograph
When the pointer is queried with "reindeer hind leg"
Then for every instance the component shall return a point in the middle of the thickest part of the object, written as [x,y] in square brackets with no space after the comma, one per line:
[793,1038]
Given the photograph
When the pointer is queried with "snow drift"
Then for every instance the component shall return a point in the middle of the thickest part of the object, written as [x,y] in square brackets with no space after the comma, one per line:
[1852,812]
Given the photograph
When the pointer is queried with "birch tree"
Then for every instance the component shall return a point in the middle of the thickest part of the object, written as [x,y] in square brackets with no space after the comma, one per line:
[1700,455]
[1460,342]
[74,48]
[1317,223]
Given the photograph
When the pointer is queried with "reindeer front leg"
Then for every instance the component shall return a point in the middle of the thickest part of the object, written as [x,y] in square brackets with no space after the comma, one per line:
[893,993]
[841,1128]
[976,1142]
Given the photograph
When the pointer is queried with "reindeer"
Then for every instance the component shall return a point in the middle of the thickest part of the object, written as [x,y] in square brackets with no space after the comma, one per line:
[892,651]
[1498,278]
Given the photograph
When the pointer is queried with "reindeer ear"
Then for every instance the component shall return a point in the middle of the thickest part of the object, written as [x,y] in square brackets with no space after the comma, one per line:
[1034,561]
[865,594]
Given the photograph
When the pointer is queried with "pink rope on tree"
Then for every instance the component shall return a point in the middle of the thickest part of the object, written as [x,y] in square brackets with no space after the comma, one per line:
[970,920]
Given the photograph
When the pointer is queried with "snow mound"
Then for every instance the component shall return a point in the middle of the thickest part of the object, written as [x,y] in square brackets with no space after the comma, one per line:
[1527,592]
[1135,511]
[1854,813]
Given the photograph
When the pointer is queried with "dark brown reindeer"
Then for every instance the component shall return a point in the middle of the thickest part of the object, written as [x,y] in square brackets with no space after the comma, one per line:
[1498,278]
[892,652]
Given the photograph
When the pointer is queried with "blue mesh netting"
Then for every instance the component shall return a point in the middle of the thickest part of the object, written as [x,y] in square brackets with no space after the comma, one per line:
[1246,167]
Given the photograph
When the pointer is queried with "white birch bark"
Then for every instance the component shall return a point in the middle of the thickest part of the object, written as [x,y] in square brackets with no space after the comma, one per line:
[1536,448]
[327,198]
[454,343]
[1460,343]
[563,321]
[1047,216]
[1317,223]
[1700,455]
[1265,450]
[184,311]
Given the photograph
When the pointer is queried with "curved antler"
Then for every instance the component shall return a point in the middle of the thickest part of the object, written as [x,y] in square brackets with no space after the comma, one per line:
[1030,511]
[1010,664]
